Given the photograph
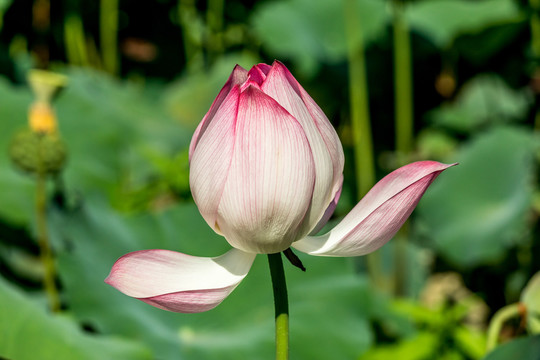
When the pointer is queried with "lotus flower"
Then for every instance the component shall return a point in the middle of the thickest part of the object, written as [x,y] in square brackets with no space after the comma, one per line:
[266,173]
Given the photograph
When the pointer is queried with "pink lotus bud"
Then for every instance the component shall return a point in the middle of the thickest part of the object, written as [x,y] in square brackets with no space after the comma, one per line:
[265,161]
[266,171]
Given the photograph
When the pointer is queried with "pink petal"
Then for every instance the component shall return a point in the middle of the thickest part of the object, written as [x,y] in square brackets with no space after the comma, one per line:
[264,68]
[211,158]
[209,163]
[323,139]
[256,74]
[270,180]
[237,77]
[379,215]
[177,282]
[329,211]
[321,121]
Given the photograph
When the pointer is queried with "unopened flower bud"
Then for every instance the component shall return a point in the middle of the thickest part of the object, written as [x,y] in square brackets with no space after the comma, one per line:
[41,118]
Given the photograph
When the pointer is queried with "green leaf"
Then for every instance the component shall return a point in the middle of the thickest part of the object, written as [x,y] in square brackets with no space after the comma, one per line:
[301,30]
[527,348]
[484,100]
[328,297]
[420,313]
[444,20]
[471,341]
[479,48]
[27,332]
[105,124]
[477,210]
[18,201]
[421,346]
[4,5]
[531,298]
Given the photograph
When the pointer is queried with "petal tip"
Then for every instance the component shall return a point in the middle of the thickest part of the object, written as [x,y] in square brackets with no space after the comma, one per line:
[379,215]
[178,282]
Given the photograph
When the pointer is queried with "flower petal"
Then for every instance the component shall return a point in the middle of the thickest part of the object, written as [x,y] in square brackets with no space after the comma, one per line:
[257,75]
[379,215]
[329,211]
[178,282]
[237,77]
[270,180]
[211,158]
[281,85]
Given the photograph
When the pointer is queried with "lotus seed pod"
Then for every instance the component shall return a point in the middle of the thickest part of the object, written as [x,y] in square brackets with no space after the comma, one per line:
[38,152]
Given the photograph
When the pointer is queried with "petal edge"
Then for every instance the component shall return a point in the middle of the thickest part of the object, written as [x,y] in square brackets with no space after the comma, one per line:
[178,282]
[378,216]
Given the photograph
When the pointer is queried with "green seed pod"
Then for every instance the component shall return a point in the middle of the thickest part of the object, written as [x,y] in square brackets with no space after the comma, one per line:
[36,152]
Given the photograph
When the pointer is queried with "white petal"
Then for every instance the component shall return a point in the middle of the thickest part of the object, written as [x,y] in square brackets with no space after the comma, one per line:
[329,211]
[178,282]
[211,158]
[323,140]
[379,215]
[270,181]
[237,77]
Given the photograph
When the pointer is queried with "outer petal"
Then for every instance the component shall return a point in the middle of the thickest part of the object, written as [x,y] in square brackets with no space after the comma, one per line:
[329,210]
[211,158]
[270,180]
[379,215]
[237,77]
[177,282]
[324,142]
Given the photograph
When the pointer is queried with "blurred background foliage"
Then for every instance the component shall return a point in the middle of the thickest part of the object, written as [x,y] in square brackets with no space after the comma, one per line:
[447,80]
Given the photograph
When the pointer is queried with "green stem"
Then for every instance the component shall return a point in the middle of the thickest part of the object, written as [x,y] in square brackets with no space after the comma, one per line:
[214,22]
[498,321]
[535,47]
[75,41]
[399,281]
[43,242]
[358,92]
[187,17]
[535,28]
[404,124]
[281,304]
[537,121]
[402,81]
[360,121]
[108,29]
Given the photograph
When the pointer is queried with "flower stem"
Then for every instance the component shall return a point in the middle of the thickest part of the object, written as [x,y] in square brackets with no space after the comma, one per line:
[74,38]
[535,49]
[281,304]
[43,242]
[535,28]
[364,158]
[497,322]
[402,81]
[108,28]
[359,102]
[214,25]
[187,17]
